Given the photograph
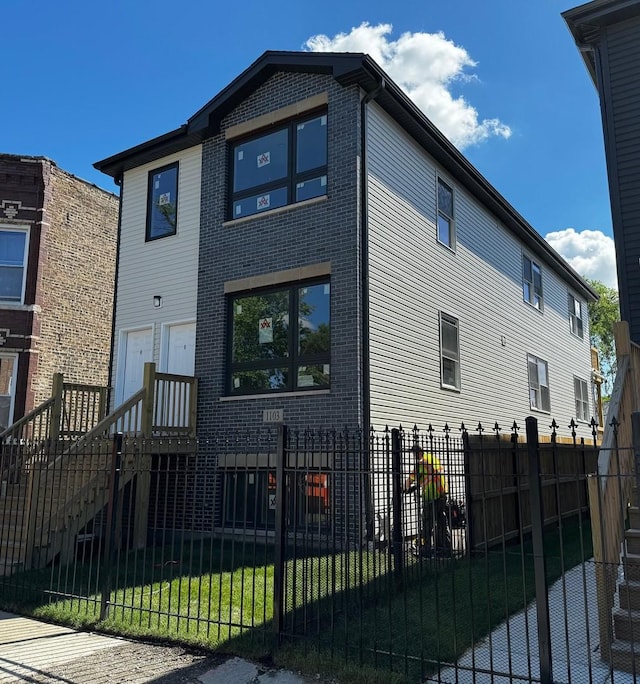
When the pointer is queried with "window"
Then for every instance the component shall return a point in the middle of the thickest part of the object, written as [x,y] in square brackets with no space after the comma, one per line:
[162,202]
[539,384]
[13,260]
[449,352]
[446,232]
[282,167]
[280,339]
[575,316]
[531,282]
[582,399]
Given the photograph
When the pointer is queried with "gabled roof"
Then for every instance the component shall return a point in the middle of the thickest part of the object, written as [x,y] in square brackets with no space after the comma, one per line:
[347,69]
[587,21]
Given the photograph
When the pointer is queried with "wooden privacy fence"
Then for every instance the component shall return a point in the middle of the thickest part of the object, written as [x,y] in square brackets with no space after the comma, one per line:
[498,488]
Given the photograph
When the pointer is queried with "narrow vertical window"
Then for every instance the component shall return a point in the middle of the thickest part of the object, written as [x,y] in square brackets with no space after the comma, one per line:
[446,231]
[539,397]
[531,282]
[581,392]
[575,316]
[449,352]
[13,261]
[162,202]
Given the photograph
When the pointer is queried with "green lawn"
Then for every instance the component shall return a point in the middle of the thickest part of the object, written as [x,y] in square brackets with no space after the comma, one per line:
[351,616]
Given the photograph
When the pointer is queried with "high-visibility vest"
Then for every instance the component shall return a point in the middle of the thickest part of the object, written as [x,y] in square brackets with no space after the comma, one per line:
[430,478]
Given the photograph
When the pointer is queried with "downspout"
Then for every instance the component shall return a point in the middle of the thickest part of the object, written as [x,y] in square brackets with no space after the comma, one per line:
[119,182]
[364,290]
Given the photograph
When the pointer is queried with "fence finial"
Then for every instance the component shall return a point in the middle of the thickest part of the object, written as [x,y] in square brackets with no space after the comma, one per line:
[462,428]
[480,429]
[594,428]
[514,428]
[572,424]
[496,428]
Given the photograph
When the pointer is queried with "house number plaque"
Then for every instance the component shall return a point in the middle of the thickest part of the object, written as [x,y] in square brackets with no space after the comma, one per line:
[273,416]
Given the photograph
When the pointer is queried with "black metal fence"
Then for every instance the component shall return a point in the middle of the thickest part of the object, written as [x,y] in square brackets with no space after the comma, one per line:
[310,538]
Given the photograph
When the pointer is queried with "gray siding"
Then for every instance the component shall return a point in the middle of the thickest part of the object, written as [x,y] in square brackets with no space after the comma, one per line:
[622,91]
[412,278]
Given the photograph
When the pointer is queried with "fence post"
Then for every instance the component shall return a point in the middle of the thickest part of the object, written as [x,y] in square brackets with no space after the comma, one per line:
[280,539]
[396,502]
[57,388]
[539,564]
[110,546]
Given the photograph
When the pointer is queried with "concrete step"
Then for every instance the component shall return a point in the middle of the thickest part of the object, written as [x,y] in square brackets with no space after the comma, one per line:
[625,656]
[634,517]
[626,626]
[632,537]
[629,594]
[631,562]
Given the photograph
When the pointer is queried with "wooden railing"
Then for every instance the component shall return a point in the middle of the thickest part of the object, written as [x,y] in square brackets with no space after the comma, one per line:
[610,487]
[72,410]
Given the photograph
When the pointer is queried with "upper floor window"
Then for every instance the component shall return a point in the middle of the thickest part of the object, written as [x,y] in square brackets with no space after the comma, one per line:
[280,167]
[539,397]
[13,263]
[575,316]
[581,392]
[280,339]
[162,202]
[446,230]
[531,282]
[449,352]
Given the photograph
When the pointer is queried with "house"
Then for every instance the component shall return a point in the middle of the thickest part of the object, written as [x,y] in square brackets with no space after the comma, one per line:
[57,268]
[607,34]
[320,254]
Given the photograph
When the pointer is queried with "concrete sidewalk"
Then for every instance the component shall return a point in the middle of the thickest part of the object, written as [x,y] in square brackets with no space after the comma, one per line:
[33,651]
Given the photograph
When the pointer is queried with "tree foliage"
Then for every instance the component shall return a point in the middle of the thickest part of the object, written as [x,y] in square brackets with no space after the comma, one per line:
[602,315]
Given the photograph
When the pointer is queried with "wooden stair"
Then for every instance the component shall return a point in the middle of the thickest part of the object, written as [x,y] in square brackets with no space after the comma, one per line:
[625,648]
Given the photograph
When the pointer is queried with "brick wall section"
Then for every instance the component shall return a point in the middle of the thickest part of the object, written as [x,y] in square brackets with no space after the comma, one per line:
[75,281]
[64,324]
[297,237]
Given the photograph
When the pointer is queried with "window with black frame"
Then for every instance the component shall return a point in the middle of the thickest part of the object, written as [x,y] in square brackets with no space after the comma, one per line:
[162,202]
[281,167]
[280,339]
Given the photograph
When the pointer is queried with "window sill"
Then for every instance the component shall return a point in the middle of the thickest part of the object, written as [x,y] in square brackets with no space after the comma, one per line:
[275,395]
[449,248]
[450,388]
[272,212]
[540,309]
[539,410]
[578,337]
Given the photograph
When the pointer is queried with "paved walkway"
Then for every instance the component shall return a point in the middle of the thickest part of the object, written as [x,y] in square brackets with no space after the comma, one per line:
[33,651]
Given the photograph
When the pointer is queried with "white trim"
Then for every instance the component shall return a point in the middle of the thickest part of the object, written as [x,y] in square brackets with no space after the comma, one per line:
[19,228]
[14,377]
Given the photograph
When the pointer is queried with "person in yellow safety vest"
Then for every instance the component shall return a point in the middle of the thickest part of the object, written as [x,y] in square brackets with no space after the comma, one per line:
[427,475]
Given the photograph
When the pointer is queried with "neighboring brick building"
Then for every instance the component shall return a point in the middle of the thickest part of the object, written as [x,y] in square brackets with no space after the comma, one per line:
[57,266]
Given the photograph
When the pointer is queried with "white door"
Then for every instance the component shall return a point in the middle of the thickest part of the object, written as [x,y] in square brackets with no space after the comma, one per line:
[8,372]
[181,349]
[137,350]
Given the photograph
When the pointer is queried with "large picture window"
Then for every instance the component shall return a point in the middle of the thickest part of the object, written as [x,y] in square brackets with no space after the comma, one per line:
[13,261]
[162,202]
[279,168]
[280,339]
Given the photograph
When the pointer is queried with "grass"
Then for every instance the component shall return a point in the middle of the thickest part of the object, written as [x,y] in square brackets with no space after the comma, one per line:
[357,622]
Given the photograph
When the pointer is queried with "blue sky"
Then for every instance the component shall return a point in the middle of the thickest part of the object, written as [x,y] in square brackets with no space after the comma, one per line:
[85,80]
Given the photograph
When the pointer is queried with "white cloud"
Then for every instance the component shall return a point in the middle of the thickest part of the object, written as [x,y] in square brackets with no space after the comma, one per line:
[424,65]
[591,253]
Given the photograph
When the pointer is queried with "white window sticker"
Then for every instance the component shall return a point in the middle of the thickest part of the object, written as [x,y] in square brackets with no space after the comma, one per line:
[236,382]
[240,155]
[263,202]
[165,198]
[156,185]
[265,330]
[264,159]
[327,288]
[305,380]
[238,209]
[299,185]
[301,127]
[323,181]
[325,369]
[323,120]
[238,309]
